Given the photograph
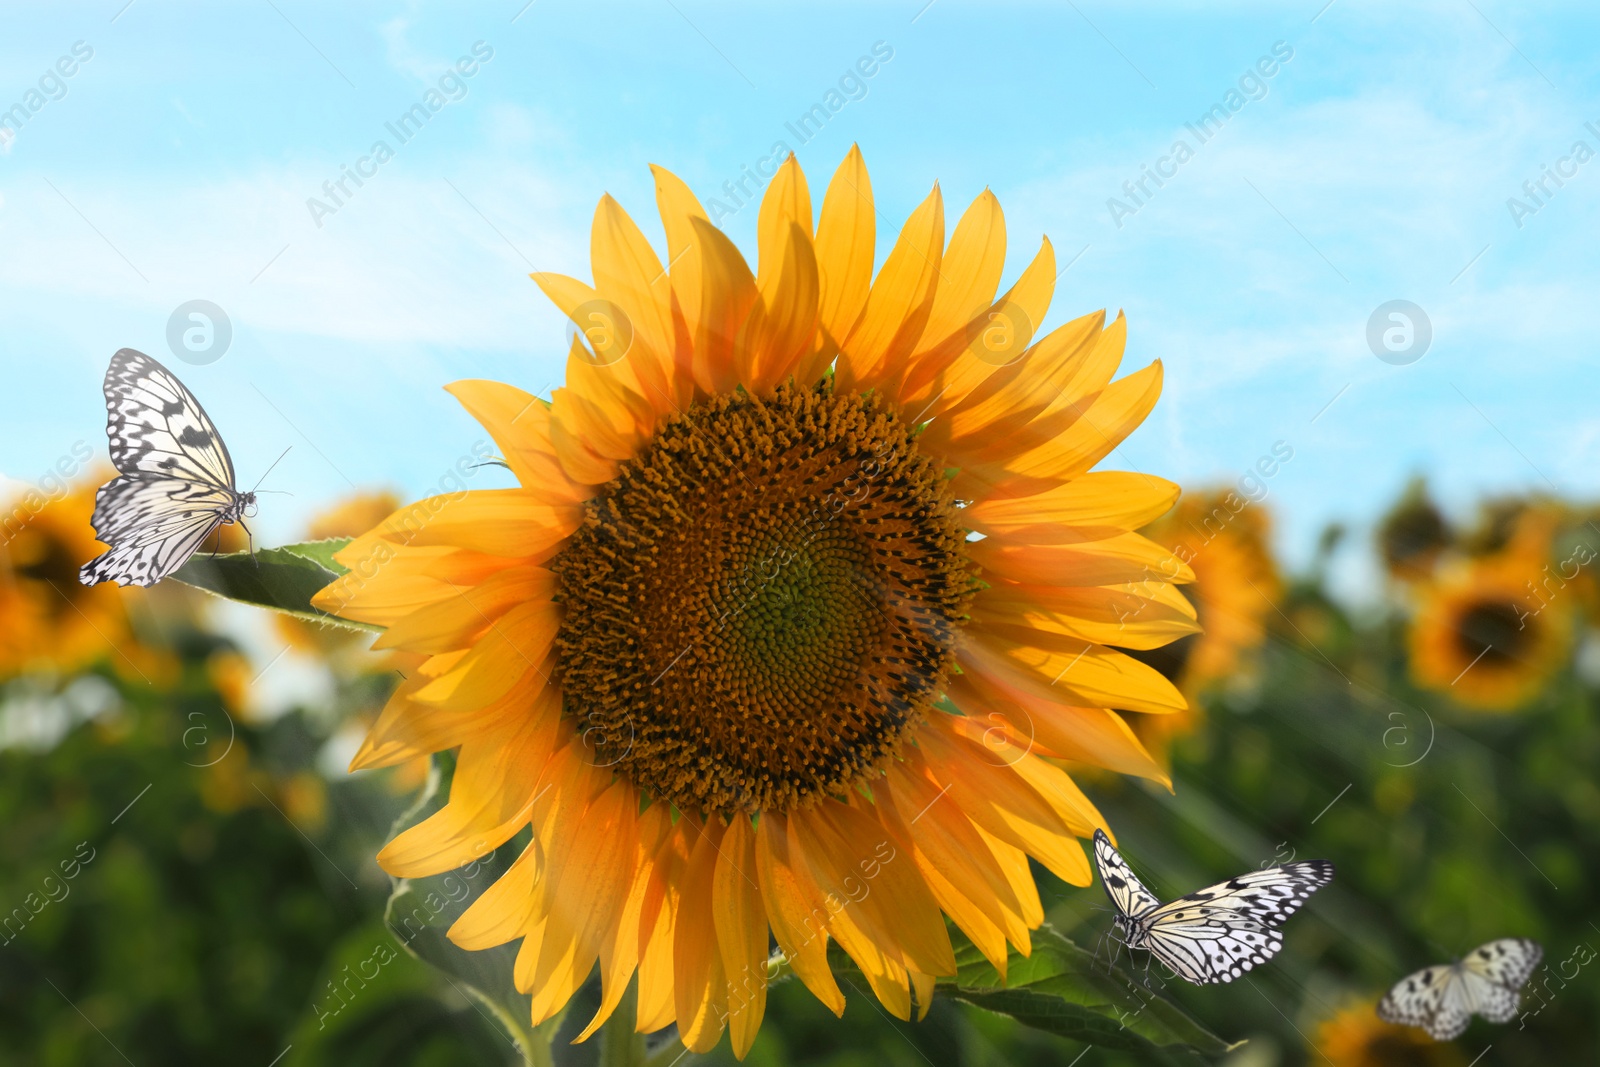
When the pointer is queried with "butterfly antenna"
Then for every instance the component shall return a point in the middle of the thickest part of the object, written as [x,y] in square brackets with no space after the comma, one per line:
[275,462]
[492,463]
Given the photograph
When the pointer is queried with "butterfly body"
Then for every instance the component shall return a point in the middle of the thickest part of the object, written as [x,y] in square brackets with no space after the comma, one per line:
[1442,999]
[175,483]
[1214,934]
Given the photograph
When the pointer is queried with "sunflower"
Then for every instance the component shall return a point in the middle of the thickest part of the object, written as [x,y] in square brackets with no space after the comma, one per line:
[1220,542]
[1413,534]
[804,595]
[48,619]
[1490,632]
[1356,1037]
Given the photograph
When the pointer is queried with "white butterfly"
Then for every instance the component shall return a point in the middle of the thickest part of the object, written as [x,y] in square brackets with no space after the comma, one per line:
[175,483]
[1441,999]
[1214,934]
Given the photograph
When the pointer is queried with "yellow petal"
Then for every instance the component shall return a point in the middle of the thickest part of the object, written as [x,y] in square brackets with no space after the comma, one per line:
[388,581]
[679,209]
[626,270]
[799,921]
[457,622]
[406,729]
[846,232]
[779,331]
[741,924]
[854,860]
[657,918]
[608,328]
[619,947]
[1128,616]
[997,339]
[1014,862]
[900,301]
[960,871]
[610,397]
[879,964]
[1128,557]
[606,428]
[1090,507]
[1111,415]
[787,203]
[969,275]
[1011,397]
[578,460]
[500,522]
[701,983]
[491,798]
[1037,421]
[514,645]
[922,986]
[1054,667]
[1020,720]
[519,423]
[727,294]
[594,884]
[502,910]
[1000,801]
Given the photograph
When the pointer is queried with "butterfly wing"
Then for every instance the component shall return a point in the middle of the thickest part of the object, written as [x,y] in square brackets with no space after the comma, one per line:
[1128,894]
[155,425]
[1493,976]
[1432,998]
[1220,932]
[153,524]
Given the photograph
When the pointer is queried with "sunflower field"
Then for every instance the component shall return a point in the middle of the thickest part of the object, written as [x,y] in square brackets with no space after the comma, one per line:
[1440,746]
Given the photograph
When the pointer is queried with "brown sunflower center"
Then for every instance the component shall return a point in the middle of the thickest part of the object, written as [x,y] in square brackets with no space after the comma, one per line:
[45,559]
[763,602]
[1493,630]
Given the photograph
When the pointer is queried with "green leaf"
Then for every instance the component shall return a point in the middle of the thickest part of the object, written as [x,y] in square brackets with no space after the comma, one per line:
[421,910]
[321,553]
[1064,990]
[283,579]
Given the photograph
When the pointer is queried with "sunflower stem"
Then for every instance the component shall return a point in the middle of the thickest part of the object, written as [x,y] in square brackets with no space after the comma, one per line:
[620,1044]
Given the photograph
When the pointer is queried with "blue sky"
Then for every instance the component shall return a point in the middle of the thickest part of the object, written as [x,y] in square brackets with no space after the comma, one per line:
[1373,164]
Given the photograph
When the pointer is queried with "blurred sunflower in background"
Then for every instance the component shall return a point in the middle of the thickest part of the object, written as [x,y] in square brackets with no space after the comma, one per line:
[1413,534]
[49,621]
[1490,632]
[806,594]
[1356,1037]
[1223,545]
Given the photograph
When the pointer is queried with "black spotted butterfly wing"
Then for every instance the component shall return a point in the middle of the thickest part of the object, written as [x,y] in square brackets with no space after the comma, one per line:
[1443,998]
[1213,934]
[175,482]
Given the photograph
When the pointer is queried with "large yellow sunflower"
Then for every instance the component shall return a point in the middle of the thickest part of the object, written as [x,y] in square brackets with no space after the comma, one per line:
[1490,632]
[806,592]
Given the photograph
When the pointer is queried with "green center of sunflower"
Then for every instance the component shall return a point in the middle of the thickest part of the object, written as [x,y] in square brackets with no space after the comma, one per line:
[763,602]
[1493,630]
